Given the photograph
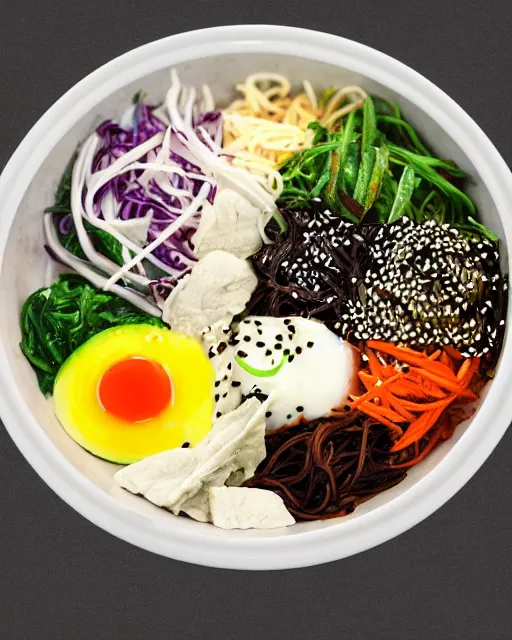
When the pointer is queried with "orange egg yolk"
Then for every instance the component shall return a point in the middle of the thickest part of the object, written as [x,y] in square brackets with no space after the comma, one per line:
[135,389]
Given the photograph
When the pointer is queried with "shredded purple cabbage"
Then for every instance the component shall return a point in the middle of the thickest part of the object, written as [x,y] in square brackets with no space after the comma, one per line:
[137,201]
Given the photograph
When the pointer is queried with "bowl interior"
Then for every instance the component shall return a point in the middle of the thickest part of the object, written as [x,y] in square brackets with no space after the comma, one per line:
[27,267]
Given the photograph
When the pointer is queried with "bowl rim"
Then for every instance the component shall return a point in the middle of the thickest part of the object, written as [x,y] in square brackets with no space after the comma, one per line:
[194,544]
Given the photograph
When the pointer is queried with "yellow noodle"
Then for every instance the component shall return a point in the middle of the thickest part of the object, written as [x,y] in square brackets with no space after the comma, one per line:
[268,125]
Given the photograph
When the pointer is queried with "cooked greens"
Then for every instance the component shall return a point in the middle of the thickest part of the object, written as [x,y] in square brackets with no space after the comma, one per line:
[56,320]
[374,166]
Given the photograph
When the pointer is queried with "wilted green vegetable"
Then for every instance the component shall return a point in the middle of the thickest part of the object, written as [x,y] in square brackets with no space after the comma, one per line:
[56,320]
[374,165]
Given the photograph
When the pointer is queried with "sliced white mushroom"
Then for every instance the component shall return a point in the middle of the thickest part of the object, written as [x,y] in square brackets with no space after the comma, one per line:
[179,479]
[218,288]
[247,508]
[231,224]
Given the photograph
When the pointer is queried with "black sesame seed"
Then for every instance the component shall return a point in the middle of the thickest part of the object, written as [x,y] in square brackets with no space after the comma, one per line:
[300,409]
[235,383]
[311,344]
[289,416]
[279,337]
[260,344]
[217,383]
[290,359]
[225,395]
[185,445]
[268,352]
[218,414]
[247,338]
[216,397]
[278,346]
[241,354]
[268,414]
[257,323]
[298,350]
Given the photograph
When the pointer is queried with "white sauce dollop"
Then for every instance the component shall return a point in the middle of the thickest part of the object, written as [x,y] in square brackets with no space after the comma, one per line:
[316,380]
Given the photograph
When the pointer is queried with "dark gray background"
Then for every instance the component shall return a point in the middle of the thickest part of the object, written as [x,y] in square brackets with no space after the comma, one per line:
[61,577]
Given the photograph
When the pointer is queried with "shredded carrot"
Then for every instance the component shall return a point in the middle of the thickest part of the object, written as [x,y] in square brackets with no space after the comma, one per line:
[427,387]
[463,369]
[409,389]
[374,364]
[374,391]
[454,354]
[419,395]
[414,358]
[367,380]
[372,411]
[447,361]
[440,381]
[422,406]
[431,444]
[389,414]
[399,406]
[420,427]
[472,369]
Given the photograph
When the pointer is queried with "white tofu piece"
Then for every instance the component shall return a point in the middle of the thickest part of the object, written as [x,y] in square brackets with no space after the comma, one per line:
[218,288]
[231,224]
[247,508]
[179,479]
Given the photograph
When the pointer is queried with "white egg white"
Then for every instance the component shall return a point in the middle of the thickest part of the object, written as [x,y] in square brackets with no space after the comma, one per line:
[317,368]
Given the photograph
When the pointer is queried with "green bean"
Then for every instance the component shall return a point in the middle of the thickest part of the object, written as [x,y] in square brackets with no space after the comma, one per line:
[364,175]
[380,166]
[403,194]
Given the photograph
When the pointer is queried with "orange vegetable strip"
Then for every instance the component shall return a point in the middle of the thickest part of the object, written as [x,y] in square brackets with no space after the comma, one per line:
[406,391]
[419,388]
[398,406]
[453,353]
[374,412]
[431,444]
[435,355]
[418,359]
[385,401]
[374,391]
[389,414]
[422,407]
[464,368]
[374,364]
[431,390]
[418,429]
[421,426]
[447,361]
[440,381]
[473,368]
[367,380]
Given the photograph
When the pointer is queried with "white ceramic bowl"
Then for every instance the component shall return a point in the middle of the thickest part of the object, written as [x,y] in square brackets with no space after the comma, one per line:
[221,57]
